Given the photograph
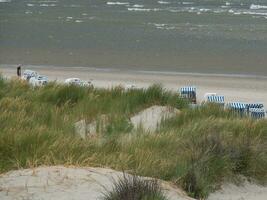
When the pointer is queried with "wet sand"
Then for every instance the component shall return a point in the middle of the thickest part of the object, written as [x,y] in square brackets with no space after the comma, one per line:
[242,89]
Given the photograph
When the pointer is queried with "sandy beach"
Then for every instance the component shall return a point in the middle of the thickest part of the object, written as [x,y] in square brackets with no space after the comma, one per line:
[242,89]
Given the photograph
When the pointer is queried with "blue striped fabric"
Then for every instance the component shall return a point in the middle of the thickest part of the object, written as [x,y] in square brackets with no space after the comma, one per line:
[236,106]
[254,105]
[257,113]
[187,89]
[216,99]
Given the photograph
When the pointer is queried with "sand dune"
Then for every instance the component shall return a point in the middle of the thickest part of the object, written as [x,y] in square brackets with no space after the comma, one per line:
[71,183]
[64,183]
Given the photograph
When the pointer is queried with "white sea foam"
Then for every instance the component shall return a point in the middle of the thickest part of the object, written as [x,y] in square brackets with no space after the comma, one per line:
[163,26]
[143,9]
[138,6]
[187,3]
[163,2]
[256,7]
[237,13]
[5,1]
[74,6]
[204,10]
[30,4]
[48,1]
[47,5]
[28,12]
[78,21]
[160,25]
[254,13]
[117,3]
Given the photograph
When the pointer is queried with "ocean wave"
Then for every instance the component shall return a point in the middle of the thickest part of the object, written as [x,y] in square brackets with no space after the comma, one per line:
[163,26]
[47,5]
[5,1]
[187,3]
[48,1]
[257,7]
[254,13]
[30,4]
[117,3]
[143,9]
[138,6]
[28,12]
[163,2]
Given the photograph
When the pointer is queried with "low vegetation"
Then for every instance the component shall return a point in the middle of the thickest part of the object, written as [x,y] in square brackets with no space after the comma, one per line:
[134,188]
[196,150]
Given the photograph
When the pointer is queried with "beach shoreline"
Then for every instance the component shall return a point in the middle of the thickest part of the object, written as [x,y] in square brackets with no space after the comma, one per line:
[236,88]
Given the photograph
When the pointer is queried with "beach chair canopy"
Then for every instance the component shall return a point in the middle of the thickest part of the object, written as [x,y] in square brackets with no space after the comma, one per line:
[189,92]
[74,81]
[236,106]
[188,89]
[41,78]
[27,74]
[215,99]
[257,113]
[254,105]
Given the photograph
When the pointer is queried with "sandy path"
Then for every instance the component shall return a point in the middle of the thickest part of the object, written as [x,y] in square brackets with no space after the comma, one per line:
[244,89]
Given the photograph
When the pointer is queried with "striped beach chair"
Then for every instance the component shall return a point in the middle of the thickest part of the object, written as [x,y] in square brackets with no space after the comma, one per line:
[257,113]
[218,99]
[253,105]
[189,92]
[237,107]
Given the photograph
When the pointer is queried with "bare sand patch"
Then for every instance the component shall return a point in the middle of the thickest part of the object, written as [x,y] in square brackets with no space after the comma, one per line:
[150,118]
[244,191]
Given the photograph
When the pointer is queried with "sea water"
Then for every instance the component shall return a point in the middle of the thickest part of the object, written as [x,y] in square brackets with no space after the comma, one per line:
[195,36]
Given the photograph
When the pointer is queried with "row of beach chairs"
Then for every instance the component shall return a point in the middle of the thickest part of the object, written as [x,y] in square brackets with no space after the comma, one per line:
[35,79]
[253,110]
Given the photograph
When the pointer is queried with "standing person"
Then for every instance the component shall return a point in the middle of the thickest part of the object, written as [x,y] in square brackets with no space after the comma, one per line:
[19,71]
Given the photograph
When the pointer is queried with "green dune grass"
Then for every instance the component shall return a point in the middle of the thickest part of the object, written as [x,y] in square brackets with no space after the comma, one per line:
[197,150]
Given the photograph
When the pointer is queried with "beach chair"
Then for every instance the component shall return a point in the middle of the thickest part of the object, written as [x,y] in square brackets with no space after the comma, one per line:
[254,105]
[73,81]
[217,99]
[77,82]
[257,113]
[38,81]
[189,93]
[237,107]
[28,74]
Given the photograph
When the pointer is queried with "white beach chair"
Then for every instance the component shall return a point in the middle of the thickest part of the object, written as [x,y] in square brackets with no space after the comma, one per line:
[38,81]
[28,74]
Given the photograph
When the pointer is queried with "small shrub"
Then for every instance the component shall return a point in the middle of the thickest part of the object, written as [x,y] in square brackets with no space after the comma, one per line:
[134,188]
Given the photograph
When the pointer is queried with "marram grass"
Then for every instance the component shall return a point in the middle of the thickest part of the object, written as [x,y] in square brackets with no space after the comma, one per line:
[196,150]
[134,188]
